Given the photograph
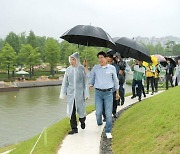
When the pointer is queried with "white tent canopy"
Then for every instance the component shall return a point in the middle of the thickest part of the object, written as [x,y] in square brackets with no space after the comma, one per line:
[22,72]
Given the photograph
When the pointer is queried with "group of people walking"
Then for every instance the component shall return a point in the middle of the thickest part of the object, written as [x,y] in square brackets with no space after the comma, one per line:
[151,73]
[107,78]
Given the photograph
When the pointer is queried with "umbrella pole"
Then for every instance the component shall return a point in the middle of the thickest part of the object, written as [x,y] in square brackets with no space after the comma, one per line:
[86,51]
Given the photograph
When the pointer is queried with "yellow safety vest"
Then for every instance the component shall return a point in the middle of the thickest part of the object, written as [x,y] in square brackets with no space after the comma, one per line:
[149,72]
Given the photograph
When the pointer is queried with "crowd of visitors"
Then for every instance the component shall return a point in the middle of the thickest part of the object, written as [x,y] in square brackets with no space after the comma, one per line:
[108,78]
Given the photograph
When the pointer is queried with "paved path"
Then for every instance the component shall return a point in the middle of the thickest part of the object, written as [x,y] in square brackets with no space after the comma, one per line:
[88,141]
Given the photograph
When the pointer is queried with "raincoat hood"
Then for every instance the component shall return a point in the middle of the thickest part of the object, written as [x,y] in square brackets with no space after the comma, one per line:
[77,57]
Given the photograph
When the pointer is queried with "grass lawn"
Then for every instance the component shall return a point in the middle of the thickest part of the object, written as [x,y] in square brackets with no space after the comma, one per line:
[151,126]
[49,143]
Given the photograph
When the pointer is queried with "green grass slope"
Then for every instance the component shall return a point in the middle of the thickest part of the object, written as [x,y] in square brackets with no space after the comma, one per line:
[151,126]
[49,141]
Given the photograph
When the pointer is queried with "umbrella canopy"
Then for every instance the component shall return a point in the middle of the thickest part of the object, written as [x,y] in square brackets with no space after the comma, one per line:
[22,72]
[130,48]
[164,63]
[160,58]
[89,36]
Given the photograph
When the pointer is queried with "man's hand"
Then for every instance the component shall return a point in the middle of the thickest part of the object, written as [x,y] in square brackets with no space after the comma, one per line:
[85,63]
[117,95]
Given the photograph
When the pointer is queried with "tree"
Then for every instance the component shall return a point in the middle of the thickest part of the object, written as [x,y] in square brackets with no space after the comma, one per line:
[22,38]
[29,56]
[52,53]
[64,45]
[169,47]
[13,40]
[176,49]
[151,48]
[90,54]
[32,40]
[41,41]
[1,43]
[8,58]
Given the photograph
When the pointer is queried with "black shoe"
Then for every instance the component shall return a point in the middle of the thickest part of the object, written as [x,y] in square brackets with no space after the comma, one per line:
[139,99]
[104,120]
[144,95]
[122,103]
[114,116]
[74,131]
[152,93]
[83,125]
[133,97]
[147,92]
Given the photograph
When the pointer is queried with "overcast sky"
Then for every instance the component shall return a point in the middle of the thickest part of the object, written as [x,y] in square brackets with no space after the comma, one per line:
[129,18]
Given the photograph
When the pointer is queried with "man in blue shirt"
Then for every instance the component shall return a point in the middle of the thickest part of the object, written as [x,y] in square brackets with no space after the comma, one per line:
[104,78]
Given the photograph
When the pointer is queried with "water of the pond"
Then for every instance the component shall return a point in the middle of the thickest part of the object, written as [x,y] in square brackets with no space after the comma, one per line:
[25,113]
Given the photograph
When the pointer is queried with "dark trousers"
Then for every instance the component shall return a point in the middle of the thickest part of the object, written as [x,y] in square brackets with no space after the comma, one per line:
[121,92]
[143,91]
[176,83]
[169,78]
[115,102]
[151,80]
[139,83]
[156,84]
[73,121]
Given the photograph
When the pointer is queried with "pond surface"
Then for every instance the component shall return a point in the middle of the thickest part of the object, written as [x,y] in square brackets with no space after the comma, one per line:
[24,113]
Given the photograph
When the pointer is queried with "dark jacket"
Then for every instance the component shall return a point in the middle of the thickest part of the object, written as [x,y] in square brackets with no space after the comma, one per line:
[169,69]
[121,79]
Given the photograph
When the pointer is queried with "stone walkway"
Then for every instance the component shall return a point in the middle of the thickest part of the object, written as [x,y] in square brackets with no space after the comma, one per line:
[87,141]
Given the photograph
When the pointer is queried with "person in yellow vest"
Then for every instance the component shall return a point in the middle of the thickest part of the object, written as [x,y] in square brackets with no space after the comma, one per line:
[150,70]
[156,77]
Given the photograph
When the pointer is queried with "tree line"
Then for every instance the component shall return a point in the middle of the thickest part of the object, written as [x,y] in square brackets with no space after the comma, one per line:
[31,50]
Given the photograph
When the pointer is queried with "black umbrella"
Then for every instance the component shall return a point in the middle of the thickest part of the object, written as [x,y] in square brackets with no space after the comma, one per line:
[89,36]
[130,48]
[171,61]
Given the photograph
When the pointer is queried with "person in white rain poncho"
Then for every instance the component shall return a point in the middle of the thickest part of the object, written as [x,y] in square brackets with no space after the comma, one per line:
[177,74]
[75,89]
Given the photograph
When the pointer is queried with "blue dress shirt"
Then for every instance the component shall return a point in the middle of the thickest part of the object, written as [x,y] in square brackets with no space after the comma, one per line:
[104,77]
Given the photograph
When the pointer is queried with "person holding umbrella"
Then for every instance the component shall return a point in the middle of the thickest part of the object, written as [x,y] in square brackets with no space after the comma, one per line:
[75,88]
[104,79]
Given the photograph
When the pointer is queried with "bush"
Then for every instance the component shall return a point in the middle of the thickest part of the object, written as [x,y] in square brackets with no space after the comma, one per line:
[9,80]
[53,77]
